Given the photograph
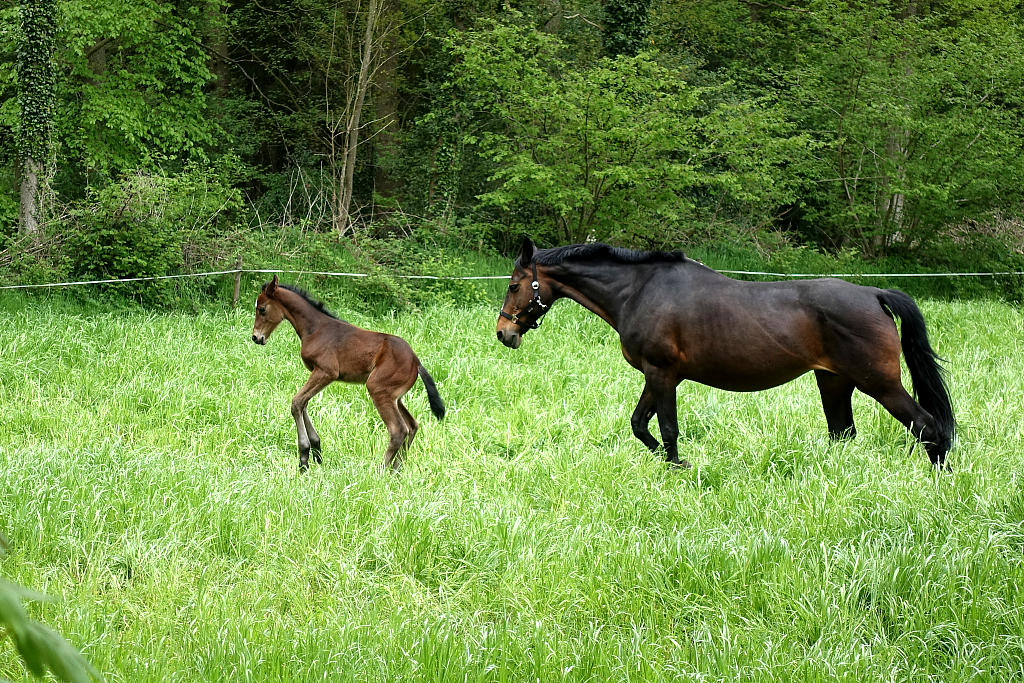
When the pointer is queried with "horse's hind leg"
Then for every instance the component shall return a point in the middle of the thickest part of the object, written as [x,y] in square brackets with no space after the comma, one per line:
[386,385]
[410,423]
[836,393]
[921,424]
[387,406]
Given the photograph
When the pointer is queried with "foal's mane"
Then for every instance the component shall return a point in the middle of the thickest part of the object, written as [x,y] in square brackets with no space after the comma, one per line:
[604,252]
[315,303]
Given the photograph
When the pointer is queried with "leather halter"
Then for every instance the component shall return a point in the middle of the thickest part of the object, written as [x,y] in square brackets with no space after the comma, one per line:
[535,305]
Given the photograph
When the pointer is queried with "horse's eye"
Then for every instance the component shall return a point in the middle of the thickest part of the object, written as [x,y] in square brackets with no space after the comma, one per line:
[513,287]
[261,310]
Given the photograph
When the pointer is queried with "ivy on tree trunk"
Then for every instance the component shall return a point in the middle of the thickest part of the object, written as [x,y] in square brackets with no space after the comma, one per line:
[36,83]
[626,26]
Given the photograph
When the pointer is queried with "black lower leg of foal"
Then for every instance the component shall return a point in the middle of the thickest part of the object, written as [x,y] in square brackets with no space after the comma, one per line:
[317,381]
[314,438]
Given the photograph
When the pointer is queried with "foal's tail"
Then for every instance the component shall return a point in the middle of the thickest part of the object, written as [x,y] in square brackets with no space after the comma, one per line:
[436,404]
[925,372]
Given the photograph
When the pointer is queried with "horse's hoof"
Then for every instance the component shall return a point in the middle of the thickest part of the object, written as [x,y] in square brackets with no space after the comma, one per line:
[680,464]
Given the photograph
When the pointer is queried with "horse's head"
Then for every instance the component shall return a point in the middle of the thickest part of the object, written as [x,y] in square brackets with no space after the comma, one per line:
[269,312]
[524,302]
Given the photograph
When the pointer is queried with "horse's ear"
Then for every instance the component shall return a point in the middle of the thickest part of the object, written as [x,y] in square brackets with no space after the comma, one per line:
[272,286]
[526,253]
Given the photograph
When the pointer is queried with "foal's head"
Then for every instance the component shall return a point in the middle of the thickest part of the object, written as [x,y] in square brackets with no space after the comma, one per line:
[269,312]
[523,305]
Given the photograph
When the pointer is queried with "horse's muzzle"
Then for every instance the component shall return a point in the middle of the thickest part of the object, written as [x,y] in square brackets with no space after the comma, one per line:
[510,339]
[259,339]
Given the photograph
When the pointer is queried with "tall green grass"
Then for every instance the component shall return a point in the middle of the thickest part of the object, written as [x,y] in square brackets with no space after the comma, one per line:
[148,479]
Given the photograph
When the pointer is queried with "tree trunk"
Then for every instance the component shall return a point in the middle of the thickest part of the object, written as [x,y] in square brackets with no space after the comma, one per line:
[218,41]
[351,142]
[30,207]
[35,77]
[896,147]
[386,108]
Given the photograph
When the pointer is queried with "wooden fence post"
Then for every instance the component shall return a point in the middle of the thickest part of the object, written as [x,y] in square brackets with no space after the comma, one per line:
[238,281]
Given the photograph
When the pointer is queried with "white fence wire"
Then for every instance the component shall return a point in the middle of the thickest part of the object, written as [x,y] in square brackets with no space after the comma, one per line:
[242,271]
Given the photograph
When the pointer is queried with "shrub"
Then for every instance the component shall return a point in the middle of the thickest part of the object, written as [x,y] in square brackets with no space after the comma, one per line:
[152,225]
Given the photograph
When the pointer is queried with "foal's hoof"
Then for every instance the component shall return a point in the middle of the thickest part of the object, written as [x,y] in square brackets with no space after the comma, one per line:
[683,464]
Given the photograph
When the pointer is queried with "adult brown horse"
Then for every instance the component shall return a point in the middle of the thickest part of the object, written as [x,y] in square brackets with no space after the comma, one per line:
[678,320]
[334,350]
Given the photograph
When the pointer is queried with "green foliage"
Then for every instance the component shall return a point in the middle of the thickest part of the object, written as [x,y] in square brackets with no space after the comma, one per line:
[919,117]
[607,151]
[41,648]
[626,26]
[837,125]
[135,93]
[151,225]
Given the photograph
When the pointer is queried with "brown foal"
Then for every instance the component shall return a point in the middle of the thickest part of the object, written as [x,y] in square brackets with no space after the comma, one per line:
[334,350]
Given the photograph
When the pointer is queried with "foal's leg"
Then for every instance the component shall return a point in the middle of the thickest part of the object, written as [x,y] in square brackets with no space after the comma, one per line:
[316,382]
[314,438]
[642,417]
[386,384]
[410,422]
[836,393]
[387,406]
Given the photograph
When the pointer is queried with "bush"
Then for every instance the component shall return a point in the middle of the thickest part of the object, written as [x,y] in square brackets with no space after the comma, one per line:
[152,225]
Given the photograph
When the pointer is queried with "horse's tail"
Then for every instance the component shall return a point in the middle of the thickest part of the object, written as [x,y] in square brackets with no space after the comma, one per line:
[922,361]
[436,404]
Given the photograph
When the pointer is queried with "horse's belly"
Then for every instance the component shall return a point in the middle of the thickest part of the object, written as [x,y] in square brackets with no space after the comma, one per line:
[747,379]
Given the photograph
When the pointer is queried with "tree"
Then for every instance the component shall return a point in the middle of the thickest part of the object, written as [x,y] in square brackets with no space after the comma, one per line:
[36,81]
[918,112]
[625,150]
[134,91]
[344,164]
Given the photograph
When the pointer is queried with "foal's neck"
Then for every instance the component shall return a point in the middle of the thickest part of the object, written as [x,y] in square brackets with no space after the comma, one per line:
[303,316]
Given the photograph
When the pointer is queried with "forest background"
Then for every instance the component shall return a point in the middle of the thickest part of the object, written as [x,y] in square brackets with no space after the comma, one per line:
[151,137]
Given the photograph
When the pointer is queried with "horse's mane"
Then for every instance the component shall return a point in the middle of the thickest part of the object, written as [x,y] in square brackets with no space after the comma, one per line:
[315,303]
[604,252]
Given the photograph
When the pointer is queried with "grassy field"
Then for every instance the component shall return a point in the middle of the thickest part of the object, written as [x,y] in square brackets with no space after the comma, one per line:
[148,481]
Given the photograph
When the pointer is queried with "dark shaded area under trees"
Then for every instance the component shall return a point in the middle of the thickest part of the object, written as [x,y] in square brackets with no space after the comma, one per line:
[891,131]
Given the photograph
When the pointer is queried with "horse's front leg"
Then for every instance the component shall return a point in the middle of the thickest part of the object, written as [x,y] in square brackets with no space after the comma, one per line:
[836,393]
[664,390]
[316,382]
[641,419]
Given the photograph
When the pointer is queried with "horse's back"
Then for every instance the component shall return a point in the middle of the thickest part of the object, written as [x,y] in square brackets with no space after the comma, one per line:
[748,336]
